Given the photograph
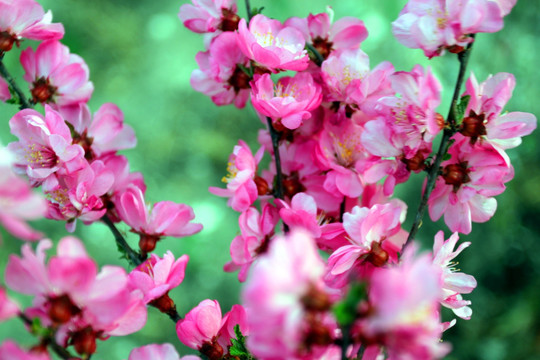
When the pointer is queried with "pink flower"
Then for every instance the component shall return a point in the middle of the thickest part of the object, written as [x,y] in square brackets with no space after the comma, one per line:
[220,75]
[435,25]
[256,233]
[405,317]
[375,236]
[55,75]
[165,218]
[469,180]
[454,283]
[79,196]
[8,308]
[45,144]
[17,202]
[71,291]
[483,119]
[102,134]
[347,32]
[204,329]
[158,352]
[302,213]
[9,350]
[289,101]
[240,180]
[285,290]
[4,90]
[206,16]
[273,45]
[25,19]
[157,276]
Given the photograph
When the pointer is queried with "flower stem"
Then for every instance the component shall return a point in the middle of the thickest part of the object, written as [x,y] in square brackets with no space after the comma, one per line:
[134,258]
[451,129]
[24,104]
[248,11]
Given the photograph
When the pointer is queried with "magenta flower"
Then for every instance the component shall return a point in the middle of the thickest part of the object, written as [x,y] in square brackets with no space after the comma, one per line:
[284,290]
[102,134]
[256,233]
[469,180]
[158,352]
[346,33]
[483,119]
[301,213]
[55,75]
[375,236]
[240,180]
[8,308]
[206,16]
[220,75]
[165,218]
[4,90]
[25,19]
[436,25]
[70,290]
[79,195]
[10,350]
[204,329]
[17,201]
[272,44]
[157,276]
[45,145]
[405,315]
[289,102]
[454,283]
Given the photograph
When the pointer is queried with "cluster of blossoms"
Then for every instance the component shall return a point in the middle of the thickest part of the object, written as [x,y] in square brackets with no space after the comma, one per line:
[341,134]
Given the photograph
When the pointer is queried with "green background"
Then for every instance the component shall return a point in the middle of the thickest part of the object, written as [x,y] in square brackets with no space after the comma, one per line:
[140,57]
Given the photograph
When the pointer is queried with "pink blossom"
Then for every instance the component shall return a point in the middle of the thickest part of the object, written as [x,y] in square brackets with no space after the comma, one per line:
[55,75]
[469,180]
[435,25]
[10,350]
[220,75]
[405,315]
[289,101]
[79,195]
[45,145]
[4,90]
[8,308]
[301,213]
[256,232]
[272,44]
[17,202]
[165,218]
[240,180]
[347,32]
[277,298]
[483,119]
[154,352]
[206,16]
[102,134]
[200,325]
[454,283]
[25,19]
[375,236]
[156,276]
[70,290]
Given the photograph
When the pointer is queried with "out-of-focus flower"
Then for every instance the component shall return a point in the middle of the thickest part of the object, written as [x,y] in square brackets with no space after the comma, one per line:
[206,16]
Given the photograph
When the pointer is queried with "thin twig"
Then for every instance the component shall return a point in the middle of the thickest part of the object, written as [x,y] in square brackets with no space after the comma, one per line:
[24,104]
[463,58]
[278,192]
[248,10]
[49,340]
[133,257]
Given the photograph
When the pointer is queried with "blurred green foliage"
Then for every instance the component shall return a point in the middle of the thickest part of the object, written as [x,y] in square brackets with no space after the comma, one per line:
[141,57]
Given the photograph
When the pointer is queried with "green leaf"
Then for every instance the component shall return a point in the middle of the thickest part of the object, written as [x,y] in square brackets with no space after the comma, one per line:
[257,11]
[247,71]
[461,107]
[446,157]
[238,346]
[346,310]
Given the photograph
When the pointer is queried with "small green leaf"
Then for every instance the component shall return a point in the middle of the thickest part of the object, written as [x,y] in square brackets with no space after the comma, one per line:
[346,310]
[247,71]
[446,157]
[461,107]
[257,11]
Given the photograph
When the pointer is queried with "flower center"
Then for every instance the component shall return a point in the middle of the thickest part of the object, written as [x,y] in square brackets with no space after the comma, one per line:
[43,91]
